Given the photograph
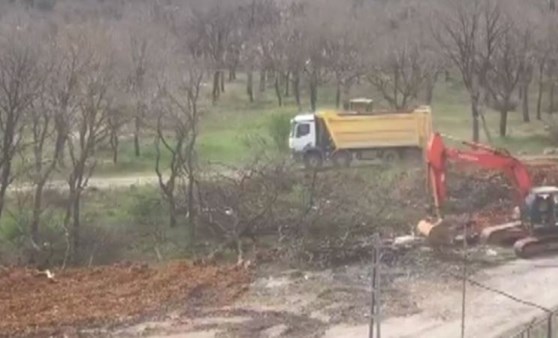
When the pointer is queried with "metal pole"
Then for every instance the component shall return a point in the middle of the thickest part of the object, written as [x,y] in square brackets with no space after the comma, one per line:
[378,249]
[373,296]
[549,335]
[464,292]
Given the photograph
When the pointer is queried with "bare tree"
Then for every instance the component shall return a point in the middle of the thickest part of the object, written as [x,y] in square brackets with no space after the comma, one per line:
[88,125]
[271,47]
[178,118]
[401,75]
[524,85]
[46,149]
[214,24]
[252,18]
[20,83]
[138,56]
[504,71]
[295,44]
[395,58]
[459,35]
[343,52]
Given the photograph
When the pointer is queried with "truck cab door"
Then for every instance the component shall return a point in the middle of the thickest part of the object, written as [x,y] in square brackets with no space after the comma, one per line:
[303,136]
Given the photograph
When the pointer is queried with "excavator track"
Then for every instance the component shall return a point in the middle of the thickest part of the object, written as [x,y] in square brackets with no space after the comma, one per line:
[533,246]
[505,234]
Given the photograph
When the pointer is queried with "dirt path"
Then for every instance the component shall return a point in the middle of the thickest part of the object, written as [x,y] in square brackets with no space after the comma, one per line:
[488,314]
[94,182]
[334,305]
[112,182]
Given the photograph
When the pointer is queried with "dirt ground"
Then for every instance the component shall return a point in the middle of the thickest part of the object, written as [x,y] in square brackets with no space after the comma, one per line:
[421,292]
[311,303]
[34,305]
[424,301]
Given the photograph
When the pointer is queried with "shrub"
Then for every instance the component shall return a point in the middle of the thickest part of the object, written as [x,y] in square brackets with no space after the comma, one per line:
[279,127]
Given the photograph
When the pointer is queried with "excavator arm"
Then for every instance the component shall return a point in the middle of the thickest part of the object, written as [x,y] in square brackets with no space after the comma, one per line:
[483,156]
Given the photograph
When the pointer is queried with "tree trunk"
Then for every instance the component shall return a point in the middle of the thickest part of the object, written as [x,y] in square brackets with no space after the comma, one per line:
[5,181]
[114,145]
[313,92]
[36,217]
[62,159]
[222,75]
[475,115]
[216,86]
[278,90]
[503,122]
[447,76]
[540,90]
[525,101]
[192,211]
[137,126]
[338,95]
[172,212]
[76,226]
[551,98]
[296,88]
[396,88]
[287,84]
[250,86]
[232,74]
[552,5]
[262,81]
[431,83]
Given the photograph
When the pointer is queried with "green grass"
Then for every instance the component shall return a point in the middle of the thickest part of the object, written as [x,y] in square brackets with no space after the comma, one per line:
[451,110]
[227,125]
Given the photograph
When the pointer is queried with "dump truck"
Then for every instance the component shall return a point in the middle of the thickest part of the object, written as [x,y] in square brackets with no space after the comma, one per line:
[364,134]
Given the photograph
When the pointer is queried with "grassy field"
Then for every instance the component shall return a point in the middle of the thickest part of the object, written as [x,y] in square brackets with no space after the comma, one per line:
[229,124]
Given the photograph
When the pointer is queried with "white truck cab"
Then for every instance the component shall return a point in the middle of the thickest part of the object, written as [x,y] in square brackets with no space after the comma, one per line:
[303,133]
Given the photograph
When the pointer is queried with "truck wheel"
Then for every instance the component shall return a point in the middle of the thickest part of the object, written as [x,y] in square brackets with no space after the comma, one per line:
[390,156]
[414,156]
[313,160]
[342,158]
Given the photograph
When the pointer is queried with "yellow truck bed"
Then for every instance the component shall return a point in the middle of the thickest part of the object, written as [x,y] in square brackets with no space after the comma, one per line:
[368,131]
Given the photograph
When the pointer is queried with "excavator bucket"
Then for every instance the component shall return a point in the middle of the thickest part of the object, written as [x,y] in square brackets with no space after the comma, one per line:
[437,232]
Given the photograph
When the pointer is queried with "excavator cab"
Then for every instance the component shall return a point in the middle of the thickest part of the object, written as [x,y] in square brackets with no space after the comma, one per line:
[541,210]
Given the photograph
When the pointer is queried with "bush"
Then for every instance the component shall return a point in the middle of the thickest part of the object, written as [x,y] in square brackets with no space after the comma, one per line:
[279,127]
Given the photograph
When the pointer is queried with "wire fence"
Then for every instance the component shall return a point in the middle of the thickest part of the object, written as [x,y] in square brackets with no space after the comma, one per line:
[546,327]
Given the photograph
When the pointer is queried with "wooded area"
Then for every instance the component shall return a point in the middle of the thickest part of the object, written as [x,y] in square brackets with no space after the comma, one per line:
[77,75]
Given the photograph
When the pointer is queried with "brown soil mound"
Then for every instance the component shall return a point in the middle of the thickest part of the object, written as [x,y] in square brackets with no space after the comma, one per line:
[31,304]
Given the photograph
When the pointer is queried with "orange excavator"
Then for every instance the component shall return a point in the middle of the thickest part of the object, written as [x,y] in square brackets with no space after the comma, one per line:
[535,233]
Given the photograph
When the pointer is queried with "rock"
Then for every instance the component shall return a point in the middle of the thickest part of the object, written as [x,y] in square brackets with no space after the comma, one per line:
[549,151]
[276,331]
[407,240]
[491,252]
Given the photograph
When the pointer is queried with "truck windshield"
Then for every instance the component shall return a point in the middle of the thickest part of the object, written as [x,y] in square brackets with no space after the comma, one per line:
[302,129]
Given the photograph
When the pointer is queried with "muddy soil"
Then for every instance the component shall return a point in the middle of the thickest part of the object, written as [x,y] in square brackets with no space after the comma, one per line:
[31,304]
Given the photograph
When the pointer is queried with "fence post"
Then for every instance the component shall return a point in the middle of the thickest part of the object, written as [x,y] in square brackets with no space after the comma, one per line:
[549,335]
